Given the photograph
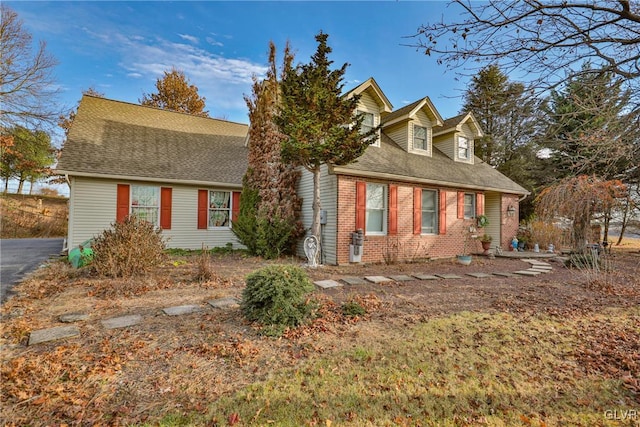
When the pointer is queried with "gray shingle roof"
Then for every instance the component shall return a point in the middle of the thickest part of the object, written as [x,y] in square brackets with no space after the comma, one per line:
[390,161]
[113,138]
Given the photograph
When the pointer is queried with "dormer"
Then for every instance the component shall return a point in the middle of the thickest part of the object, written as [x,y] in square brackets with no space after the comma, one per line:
[373,103]
[411,126]
[457,137]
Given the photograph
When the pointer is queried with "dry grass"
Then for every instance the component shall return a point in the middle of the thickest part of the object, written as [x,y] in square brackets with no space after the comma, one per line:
[32,216]
[541,351]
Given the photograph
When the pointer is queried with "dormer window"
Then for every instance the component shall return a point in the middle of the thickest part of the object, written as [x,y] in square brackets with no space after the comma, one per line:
[368,123]
[420,138]
[463,148]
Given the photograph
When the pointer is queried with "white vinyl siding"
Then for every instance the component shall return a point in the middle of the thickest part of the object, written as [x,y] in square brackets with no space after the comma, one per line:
[92,209]
[328,202]
[399,134]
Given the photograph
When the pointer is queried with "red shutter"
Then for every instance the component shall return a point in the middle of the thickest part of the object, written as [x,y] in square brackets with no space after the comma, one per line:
[417,210]
[479,204]
[165,208]
[203,208]
[235,206]
[122,202]
[393,210]
[361,204]
[442,212]
[460,204]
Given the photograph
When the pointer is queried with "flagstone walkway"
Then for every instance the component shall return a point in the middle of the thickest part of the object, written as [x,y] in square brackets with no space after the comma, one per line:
[69,331]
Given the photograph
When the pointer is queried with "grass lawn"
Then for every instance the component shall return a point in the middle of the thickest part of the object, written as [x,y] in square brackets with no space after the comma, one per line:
[557,349]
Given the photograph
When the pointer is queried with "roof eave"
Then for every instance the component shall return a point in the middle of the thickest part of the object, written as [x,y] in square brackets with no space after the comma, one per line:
[339,170]
[147,179]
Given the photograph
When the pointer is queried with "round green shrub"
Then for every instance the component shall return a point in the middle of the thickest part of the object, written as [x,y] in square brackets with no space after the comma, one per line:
[353,309]
[277,298]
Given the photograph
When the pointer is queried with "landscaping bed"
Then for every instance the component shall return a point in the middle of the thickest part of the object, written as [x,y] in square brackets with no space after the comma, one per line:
[558,348]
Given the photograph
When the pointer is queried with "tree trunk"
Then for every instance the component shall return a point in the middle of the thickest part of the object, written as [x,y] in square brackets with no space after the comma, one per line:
[607,220]
[20,185]
[625,217]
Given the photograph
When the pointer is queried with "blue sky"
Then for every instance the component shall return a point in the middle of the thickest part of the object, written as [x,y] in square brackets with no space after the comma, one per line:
[121,48]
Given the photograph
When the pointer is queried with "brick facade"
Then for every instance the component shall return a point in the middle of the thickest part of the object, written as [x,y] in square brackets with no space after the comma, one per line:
[405,245]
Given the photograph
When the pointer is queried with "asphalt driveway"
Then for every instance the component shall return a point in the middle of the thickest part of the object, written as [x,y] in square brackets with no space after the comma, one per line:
[21,256]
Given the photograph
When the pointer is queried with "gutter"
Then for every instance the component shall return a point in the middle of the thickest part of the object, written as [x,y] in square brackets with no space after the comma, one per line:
[149,179]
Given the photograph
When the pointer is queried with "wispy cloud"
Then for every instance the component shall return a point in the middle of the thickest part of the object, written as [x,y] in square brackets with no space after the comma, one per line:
[214,42]
[190,38]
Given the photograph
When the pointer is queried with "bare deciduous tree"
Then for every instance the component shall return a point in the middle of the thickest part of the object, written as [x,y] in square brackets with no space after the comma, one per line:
[27,85]
[546,39]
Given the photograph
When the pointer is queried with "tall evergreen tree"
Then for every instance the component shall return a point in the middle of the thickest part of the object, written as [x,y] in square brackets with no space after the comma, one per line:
[591,127]
[508,116]
[176,94]
[320,124]
[268,222]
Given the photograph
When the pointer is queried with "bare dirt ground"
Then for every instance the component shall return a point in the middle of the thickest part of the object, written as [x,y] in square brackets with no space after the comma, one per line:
[179,363]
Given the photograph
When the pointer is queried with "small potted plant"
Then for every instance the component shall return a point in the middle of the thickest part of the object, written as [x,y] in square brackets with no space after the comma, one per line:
[485,240]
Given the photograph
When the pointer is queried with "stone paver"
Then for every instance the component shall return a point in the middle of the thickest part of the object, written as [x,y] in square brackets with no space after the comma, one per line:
[503,274]
[479,275]
[122,322]
[425,276]
[449,276]
[73,317]
[539,270]
[326,284]
[402,278]
[527,273]
[354,280]
[180,310]
[378,279]
[535,262]
[52,334]
[542,267]
[226,302]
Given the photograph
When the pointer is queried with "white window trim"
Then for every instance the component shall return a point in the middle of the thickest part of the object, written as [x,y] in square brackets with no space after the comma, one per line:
[385,211]
[209,209]
[435,213]
[458,138]
[157,207]
[473,205]
[427,142]
[376,122]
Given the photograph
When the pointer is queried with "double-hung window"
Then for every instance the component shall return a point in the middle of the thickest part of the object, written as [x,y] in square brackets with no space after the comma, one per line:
[419,138]
[376,215]
[469,205]
[429,212]
[145,203]
[463,148]
[368,123]
[219,208]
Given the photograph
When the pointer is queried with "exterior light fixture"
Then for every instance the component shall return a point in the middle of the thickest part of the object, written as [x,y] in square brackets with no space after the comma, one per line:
[511,211]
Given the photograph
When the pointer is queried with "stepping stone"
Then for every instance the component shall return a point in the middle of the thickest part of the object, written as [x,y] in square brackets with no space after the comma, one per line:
[540,270]
[527,273]
[73,317]
[326,284]
[227,302]
[378,279]
[479,275]
[504,274]
[122,322]
[535,262]
[542,267]
[402,278]
[449,276]
[354,281]
[425,276]
[52,334]
[180,309]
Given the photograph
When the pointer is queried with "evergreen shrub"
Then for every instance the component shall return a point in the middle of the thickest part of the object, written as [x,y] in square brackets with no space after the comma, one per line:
[277,297]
